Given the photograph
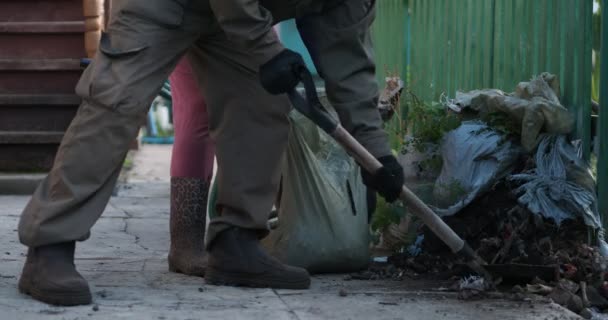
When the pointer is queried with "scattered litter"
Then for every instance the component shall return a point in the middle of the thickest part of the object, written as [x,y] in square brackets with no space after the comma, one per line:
[539,289]
[473,283]
[342,293]
[384,271]
[381,259]
[472,287]
[273,223]
[52,311]
[567,299]
[102,294]
[363,275]
[416,248]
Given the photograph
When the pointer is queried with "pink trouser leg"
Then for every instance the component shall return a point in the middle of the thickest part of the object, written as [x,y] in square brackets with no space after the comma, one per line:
[193,149]
[191,170]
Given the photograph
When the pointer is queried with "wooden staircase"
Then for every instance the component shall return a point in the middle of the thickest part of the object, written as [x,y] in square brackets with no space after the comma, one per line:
[41,45]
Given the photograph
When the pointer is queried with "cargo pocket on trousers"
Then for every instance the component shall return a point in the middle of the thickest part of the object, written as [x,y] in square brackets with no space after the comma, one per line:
[352,15]
[109,80]
[344,25]
[166,13]
[119,47]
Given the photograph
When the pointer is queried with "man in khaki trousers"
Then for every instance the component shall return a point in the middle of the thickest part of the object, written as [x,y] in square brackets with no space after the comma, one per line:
[232,48]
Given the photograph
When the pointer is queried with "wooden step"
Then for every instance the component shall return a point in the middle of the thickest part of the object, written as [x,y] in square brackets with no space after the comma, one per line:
[42,46]
[36,118]
[50,112]
[27,157]
[18,64]
[40,10]
[28,151]
[32,82]
[42,40]
[31,137]
[47,27]
[39,76]
[38,99]
[35,82]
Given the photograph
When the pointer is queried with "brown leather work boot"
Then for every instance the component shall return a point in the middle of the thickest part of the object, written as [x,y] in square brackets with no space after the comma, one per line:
[236,258]
[49,275]
[187,226]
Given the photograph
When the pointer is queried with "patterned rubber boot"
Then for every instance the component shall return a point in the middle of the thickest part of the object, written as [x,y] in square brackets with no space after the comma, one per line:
[187,226]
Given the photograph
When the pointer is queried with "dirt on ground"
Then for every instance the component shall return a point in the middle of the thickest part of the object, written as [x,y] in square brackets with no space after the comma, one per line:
[533,256]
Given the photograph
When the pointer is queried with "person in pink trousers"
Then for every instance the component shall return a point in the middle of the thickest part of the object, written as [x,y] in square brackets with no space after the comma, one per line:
[191,172]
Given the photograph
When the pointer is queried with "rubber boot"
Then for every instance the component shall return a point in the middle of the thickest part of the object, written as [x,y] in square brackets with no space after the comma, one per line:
[236,258]
[49,275]
[187,226]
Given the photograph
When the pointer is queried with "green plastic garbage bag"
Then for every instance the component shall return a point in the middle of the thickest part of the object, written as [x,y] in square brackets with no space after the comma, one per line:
[322,216]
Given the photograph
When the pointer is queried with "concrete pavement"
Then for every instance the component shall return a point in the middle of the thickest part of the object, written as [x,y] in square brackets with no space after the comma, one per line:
[125,262]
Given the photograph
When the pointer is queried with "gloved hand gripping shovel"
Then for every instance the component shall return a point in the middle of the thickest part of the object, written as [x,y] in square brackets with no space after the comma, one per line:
[311,107]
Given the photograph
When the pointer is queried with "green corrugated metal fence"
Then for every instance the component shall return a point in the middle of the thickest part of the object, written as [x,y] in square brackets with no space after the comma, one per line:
[602,166]
[449,50]
[391,38]
[472,44]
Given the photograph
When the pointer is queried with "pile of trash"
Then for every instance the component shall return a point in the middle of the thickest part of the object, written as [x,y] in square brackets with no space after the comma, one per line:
[517,190]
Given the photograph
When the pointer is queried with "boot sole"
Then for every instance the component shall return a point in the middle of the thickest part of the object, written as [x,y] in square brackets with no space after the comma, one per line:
[221,278]
[192,274]
[55,298]
[175,269]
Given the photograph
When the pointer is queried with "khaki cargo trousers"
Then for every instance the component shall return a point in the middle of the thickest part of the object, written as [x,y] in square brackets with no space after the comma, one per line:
[143,44]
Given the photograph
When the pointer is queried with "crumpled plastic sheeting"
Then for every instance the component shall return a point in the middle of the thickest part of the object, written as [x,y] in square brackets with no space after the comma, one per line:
[561,187]
[474,158]
[534,104]
[323,217]
[545,86]
[465,99]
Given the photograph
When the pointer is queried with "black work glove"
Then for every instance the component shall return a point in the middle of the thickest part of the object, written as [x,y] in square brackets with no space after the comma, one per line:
[281,73]
[388,180]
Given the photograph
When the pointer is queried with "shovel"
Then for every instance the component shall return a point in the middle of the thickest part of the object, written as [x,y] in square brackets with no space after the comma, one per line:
[312,108]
